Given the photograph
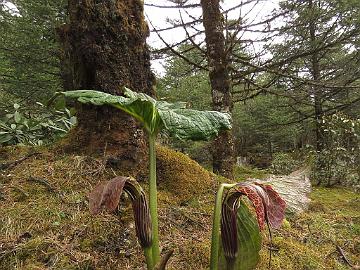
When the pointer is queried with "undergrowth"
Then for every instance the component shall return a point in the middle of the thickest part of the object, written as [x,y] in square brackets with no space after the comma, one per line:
[45,223]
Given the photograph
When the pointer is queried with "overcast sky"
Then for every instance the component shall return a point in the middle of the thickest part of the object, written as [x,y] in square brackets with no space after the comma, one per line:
[253,12]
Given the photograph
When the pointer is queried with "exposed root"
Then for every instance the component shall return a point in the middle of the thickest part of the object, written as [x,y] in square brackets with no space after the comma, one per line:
[12,164]
[164,260]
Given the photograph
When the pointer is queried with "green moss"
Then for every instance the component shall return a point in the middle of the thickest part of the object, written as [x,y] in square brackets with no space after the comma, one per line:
[310,241]
[244,172]
[182,176]
[197,254]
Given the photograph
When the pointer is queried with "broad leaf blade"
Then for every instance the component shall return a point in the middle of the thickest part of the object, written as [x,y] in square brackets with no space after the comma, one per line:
[190,124]
[248,242]
[179,122]
[138,105]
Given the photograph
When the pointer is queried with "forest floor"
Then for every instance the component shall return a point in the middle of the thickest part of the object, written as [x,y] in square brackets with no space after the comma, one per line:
[45,222]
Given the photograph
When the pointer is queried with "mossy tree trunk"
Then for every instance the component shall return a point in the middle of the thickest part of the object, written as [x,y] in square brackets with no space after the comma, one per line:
[104,49]
[223,146]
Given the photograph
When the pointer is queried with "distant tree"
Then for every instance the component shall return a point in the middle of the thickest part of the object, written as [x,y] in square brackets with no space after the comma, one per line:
[218,65]
[182,82]
[227,58]
[323,76]
[256,127]
[29,52]
[307,57]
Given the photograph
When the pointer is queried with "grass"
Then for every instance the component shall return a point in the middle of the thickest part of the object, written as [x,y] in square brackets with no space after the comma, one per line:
[46,224]
[244,172]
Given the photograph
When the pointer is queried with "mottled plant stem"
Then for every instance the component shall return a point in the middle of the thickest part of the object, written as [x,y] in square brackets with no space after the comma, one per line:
[215,238]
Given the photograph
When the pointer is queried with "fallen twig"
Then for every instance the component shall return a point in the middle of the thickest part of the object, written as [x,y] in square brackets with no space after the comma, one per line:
[12,164]
[21,191]
[43,182]
[340,250]
[48,186]
[162,264]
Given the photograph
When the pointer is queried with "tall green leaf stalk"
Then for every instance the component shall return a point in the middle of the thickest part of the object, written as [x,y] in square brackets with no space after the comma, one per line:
[153,199]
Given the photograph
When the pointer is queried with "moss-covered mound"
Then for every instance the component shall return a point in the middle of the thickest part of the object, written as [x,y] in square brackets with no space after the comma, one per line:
[182,176]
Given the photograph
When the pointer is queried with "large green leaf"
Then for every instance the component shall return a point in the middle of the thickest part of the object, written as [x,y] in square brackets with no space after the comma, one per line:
[175,118]
[194,125]
[140,106]
[248,242]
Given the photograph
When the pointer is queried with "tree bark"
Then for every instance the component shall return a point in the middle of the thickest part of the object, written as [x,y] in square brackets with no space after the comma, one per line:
[104,49]
[223,146]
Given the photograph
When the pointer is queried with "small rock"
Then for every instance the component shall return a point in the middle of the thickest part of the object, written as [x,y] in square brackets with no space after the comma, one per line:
[127,254]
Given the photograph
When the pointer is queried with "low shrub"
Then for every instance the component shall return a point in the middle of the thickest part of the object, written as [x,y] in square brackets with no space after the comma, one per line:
[283,163]
[34,127]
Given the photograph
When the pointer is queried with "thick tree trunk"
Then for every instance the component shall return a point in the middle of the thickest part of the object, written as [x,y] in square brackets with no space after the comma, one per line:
[104,49]
[223,146]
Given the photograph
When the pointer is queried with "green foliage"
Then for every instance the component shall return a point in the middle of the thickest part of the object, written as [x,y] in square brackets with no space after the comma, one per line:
[318,51]
[283,163]
[29,52]
[259,129]
[34,127]
[339,161]
[174,118]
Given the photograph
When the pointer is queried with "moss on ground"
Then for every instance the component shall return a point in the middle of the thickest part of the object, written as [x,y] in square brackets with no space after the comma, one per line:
[45,223]
[310,240]
[244,172]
